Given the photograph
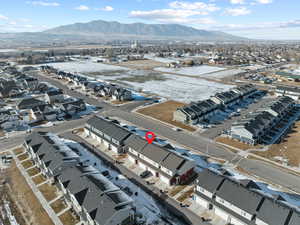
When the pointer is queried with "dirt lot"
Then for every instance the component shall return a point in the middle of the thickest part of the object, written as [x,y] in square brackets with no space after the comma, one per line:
[18,151]
[23,156]
[33,171]
[164,112]
[49,191]
[233,143]
[27,164]
[288,148]
[142,64]
[23,195]
[58,205]
[38,179]
[68,218]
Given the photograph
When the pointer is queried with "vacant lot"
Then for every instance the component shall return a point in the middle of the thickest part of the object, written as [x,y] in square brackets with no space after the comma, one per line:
[164,112]
[288,148]
[68,218]
[49,191]
[24,195]
[233,143]
[142,64]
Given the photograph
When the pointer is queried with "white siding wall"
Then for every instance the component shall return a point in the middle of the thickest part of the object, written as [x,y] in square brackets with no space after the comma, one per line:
[202,202]
[224,215]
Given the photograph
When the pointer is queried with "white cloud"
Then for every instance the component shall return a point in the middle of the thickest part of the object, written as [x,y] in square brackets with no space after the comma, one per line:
[237,1]
[106,8]
[165,14]
[2,17]
[82,8]
[43,3]
[173,16]
[264,1]
[258,26]
[193,6]
[240,11]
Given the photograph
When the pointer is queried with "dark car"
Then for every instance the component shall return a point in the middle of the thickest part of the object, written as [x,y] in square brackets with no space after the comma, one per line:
[145,174]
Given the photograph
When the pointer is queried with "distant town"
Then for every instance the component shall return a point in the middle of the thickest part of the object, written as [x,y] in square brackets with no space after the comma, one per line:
[225,115]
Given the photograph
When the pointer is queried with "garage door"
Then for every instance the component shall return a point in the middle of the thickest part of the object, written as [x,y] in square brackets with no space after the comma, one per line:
[114,149]
[165,179]
[131,159]
[222,214]
[143,166]
[202,202]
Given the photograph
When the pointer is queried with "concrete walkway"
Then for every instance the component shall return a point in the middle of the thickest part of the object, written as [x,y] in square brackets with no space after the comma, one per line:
[37,193]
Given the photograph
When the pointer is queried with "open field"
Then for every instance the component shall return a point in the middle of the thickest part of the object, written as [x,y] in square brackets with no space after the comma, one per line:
[49,191]
[24,195]
[68,218]
[85,67]
[288,149]
[141,64]
[233,143]
[191,71]
[164,112]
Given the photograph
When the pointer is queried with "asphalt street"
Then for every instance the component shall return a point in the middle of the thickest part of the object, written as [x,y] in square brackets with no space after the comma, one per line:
[185,139]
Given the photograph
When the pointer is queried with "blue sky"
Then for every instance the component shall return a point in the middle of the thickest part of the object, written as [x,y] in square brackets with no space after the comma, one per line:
[269,19]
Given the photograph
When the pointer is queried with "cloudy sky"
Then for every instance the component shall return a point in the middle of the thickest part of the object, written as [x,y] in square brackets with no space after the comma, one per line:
[263,19]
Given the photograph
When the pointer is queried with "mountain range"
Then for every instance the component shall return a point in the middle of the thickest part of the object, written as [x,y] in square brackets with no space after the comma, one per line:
[99,30]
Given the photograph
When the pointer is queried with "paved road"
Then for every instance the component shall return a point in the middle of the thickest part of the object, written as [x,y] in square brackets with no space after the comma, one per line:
[196,142]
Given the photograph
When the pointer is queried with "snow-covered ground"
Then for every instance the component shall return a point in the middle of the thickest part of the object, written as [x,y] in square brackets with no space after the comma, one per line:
[187,89]
[161,59]
[190,71]
[150,209]
[85,67]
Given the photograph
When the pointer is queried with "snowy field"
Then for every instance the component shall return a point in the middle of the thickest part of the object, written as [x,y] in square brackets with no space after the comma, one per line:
[182,89]
[161,59]
[85,67]
[224,73]
[190,71]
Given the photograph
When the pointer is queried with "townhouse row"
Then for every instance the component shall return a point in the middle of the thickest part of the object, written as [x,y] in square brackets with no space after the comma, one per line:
[243,202]
[290,91]
[103,89]
[197,112]
[167,165]
[262,125]
[93,197]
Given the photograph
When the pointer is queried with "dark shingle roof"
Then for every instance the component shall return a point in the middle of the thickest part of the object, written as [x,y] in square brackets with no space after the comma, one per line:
[209,180]
[272,212]
[239,196]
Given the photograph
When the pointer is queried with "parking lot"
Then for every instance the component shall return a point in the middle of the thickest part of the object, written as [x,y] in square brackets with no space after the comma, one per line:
[232,114]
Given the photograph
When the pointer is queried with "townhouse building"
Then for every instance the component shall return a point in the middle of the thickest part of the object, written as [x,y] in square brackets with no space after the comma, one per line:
[255,127]
[93,197]
[242,202]
[110,134]
[168,166]
[202,111]
[290,91]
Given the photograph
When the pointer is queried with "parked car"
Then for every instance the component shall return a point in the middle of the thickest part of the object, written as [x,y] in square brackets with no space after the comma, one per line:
[145,174]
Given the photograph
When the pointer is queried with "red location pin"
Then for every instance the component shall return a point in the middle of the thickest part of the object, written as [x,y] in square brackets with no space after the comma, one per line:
[150,137]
